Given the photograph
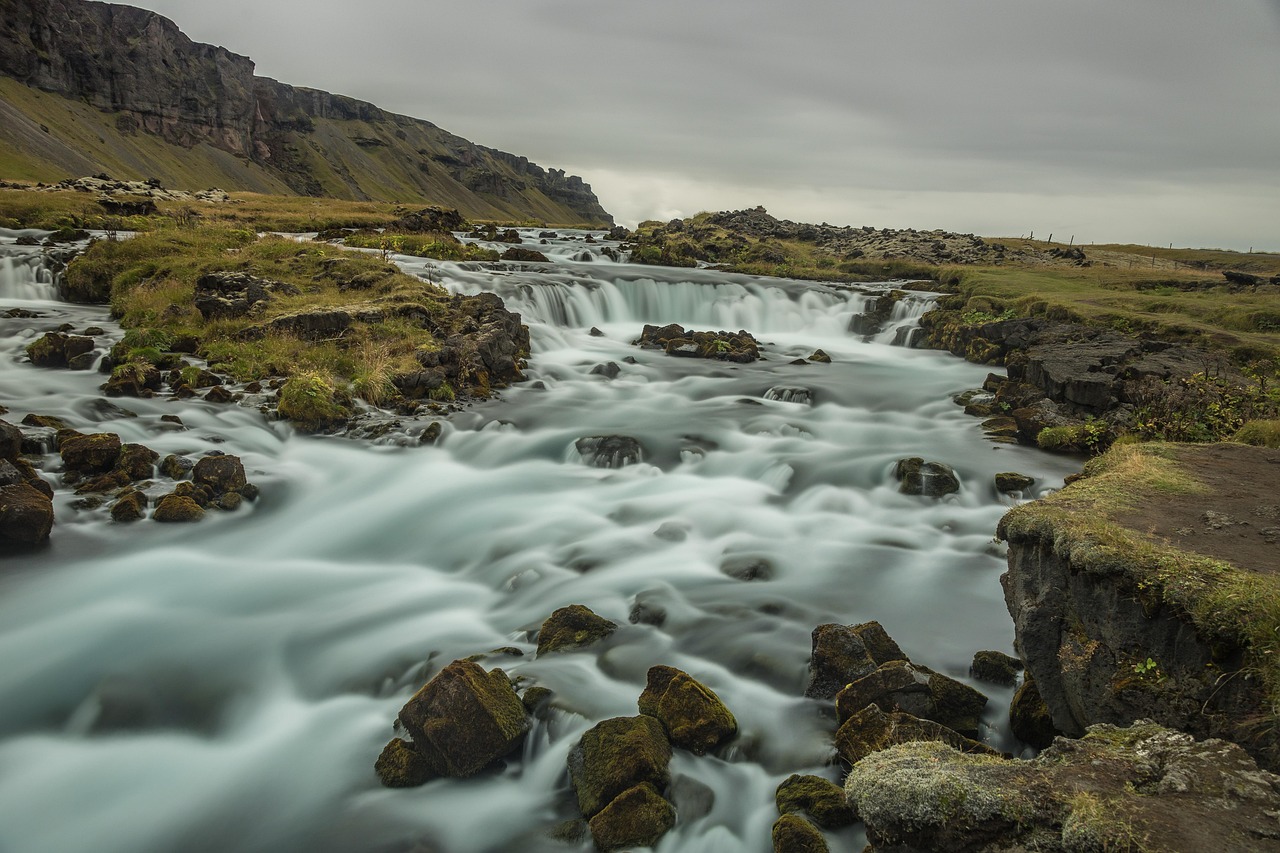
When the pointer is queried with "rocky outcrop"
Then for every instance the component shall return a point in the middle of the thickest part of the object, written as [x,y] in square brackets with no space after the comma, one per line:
[153,81]
[674,339]
[1145,788]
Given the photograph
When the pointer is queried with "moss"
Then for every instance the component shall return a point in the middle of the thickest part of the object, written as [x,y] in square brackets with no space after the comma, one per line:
[177,509]
[312,403]
[615,755]
[693,715]
[400,766]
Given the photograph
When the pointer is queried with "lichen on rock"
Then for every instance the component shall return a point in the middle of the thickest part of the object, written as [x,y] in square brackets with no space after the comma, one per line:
[691,713]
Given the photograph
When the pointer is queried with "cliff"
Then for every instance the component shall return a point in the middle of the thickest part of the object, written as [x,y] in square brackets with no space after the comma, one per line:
[98,87]
[1148,590]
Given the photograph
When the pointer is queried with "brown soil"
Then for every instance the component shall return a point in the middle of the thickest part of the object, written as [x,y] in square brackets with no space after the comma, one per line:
[1237,520]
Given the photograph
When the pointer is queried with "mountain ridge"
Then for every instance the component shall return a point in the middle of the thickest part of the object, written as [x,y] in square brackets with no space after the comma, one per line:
[186,112]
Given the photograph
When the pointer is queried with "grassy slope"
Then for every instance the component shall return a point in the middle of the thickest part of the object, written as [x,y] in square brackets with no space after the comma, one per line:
[82,140]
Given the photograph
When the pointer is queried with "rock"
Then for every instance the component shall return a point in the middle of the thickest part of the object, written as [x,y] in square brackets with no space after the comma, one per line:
[794,834]
[673,339]
[637,817]
[464,719]
[614,756]
[572,627]
[26,515]
[220,474]
[219,394]
[609,370]
[10,441]
[200,494]
[89,454]
[745,567]
[58,349]
[609,451]
[431,434]
[871,730]
[821,799]
[135,379]
[400,766]
[438,220]
[176,467]
[136,462]
[846,653]
[692,714]
[1029,717]
[931,479]
[130,506]
[231,295]
[1144,788]
[595,333]
[917,690]
[996,668]
[790,394]
[313,325]
[820,357]
[518,253]
[9,475]
[1009,482]
[177,509]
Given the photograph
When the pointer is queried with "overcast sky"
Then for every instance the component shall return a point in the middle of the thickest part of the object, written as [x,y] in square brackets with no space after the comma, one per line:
[1150,121]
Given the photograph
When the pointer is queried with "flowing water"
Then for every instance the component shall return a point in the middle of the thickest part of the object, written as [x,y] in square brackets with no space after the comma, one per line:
[227,686]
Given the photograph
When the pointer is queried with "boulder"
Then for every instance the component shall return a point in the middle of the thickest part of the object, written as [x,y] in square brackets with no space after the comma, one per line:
[10,441]
[674,339]
[130,506]
[429,220]
[637,817]
[794,834]
[1144,788]
[26,515]
[614,756]
[871,730]
[58,349]
[400,766]
[572,627]
[745,567]
[518,253]
[230,295]
[917,690]
[609,370]
[220,474]
[136,462]
[931,479]
[135,379]
[996,668]
[465,719]
[820,357]
[177,509]
[176,467]
[845,653]
[1009,482]
[821,799]
[691,713]
[1029,717]
[89,454]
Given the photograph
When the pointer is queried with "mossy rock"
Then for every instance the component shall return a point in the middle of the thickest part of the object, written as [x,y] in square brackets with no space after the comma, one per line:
[839,657]
[878,643]
[400,766]
[465,719]
[820,357]
[637,817]
[821,799]
[794,834]
[692,714]
[177,509]
[572,627]
[136,462]
[615,755]
[130,506]
[135,379]
[995,668]
[312,403]
[26,515]
[871,730]
[220,474]
[1010,481]
[89,454]
[1029,716]
[176,467]
[918,690]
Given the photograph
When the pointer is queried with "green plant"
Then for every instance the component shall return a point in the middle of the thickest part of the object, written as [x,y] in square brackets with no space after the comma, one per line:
[1148,669]
[443,393]
[312,402]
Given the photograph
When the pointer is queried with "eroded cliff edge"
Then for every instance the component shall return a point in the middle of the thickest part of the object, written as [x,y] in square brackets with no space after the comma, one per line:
[103,86]
[1148,589]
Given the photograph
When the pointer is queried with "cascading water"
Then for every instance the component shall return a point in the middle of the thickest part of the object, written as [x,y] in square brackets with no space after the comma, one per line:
[228,686]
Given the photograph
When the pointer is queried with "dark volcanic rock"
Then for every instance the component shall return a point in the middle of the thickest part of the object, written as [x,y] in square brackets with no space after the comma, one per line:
[177,509]
[996,668]
[918,690]
[871,730]
[464,719]
[89,454]
[222,295]
[572,627]
[821,799]
[674,340]
[931,479]
[637,817]
[220,474]
[609,451]
[692,714]
[846,653]
[58,349]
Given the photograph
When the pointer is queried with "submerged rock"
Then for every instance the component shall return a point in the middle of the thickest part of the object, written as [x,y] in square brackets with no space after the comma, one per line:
[461,721]
[572,627]
[821,799]
[691,713]
[609,451]
[1144,788]
[931,479]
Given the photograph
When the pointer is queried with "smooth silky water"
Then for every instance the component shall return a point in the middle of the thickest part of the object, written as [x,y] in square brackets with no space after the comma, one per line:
[228,685]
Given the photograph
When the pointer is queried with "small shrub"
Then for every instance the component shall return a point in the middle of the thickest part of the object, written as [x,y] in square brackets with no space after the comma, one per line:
[312,402]
[1259,433]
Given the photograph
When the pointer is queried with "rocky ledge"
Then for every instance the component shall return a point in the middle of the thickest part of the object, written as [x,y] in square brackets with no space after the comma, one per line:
[1148,589]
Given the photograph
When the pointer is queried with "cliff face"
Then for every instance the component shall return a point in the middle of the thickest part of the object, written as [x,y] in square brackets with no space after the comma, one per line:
[151,84]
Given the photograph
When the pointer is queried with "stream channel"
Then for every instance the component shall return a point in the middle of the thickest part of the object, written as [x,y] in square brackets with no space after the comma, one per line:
[226,686]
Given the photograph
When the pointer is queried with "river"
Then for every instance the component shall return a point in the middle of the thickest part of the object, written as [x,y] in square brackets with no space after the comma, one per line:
[228,685]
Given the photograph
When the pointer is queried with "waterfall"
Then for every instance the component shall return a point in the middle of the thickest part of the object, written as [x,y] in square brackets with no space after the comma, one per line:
[25,275]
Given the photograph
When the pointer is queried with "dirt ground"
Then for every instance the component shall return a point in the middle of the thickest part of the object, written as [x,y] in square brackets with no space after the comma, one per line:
[1238,520]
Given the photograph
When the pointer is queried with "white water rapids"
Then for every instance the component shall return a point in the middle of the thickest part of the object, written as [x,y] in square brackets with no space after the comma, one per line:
[228,685]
